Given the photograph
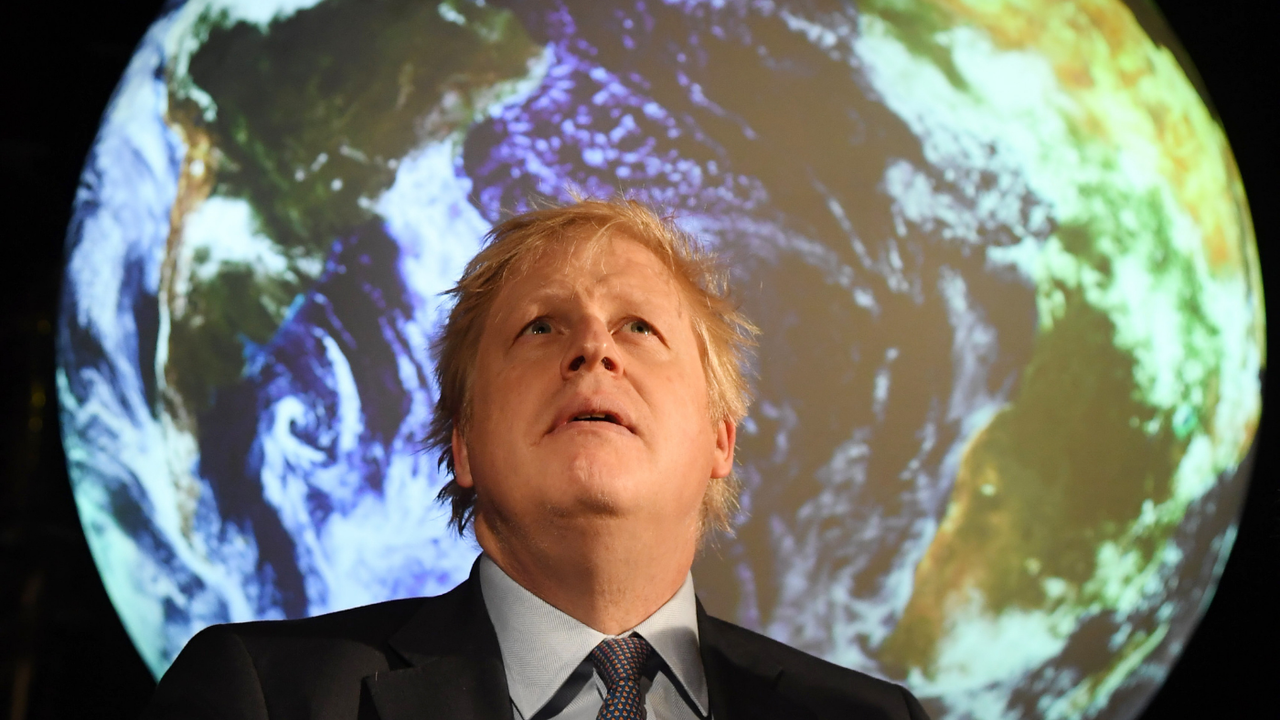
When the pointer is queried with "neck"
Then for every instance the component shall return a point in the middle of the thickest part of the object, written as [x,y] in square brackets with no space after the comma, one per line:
[608,574]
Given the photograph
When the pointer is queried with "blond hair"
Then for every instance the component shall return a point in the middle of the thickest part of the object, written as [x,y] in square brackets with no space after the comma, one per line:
[724,334]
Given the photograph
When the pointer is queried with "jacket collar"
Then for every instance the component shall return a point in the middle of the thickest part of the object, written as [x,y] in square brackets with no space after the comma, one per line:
[454,663]
[743,682]
[454,666]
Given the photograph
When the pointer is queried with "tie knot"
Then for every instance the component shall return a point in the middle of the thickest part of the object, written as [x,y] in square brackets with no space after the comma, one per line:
[620,660]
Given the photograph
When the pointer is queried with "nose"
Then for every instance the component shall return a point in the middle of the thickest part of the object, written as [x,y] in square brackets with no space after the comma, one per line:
[590,347]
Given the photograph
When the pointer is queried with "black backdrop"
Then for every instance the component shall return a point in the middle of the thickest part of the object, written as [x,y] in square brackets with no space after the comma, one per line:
[63,651]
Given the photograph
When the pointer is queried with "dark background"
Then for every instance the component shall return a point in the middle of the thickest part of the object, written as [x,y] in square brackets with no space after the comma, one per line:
[63,651]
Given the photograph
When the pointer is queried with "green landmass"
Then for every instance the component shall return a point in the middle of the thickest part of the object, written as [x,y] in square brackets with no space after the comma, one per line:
[1067,466]
[309,118]
[1083,450]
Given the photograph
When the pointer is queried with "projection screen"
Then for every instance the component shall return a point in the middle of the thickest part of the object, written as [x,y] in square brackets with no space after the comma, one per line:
[1013,332]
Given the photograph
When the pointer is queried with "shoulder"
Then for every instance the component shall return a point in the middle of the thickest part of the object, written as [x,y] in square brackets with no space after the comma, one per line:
[826,689]
[277,667]
[358,639]
[365,625]
[370,626]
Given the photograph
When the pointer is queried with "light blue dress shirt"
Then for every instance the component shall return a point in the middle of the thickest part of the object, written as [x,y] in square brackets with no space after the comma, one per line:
[545,654]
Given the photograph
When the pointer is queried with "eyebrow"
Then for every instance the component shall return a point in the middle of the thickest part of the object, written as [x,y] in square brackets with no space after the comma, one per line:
[556,291]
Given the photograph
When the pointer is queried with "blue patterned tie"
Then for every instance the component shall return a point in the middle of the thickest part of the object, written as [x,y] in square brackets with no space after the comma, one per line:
[619,662]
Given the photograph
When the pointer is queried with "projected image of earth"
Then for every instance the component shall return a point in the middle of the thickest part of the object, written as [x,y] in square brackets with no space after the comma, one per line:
[1013,336]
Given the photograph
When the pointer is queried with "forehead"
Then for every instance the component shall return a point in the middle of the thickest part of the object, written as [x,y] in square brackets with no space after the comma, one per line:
[587,262]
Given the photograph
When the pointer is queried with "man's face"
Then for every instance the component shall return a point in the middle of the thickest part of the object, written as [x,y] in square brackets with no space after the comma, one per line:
[589,401]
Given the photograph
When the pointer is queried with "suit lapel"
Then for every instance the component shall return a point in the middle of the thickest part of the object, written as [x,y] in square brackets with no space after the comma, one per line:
[454,667]
[742,682]
[454,663]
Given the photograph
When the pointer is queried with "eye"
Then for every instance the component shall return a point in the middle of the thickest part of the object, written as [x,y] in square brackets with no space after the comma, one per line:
[537,327]
[638,326]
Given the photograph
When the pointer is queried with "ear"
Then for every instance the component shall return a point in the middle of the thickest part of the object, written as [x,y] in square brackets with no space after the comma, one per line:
[722,460]
[461,463]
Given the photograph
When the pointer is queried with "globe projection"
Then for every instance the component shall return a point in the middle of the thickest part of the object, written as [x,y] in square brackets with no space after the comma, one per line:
[1013,334]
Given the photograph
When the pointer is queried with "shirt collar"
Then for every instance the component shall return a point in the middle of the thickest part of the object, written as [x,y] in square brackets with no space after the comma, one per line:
[541,645]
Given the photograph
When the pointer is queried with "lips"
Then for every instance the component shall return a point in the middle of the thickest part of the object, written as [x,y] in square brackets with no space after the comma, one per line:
[593,411]
[594,417]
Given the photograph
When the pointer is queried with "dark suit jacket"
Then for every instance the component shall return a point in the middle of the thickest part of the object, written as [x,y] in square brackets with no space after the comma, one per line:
[438,657]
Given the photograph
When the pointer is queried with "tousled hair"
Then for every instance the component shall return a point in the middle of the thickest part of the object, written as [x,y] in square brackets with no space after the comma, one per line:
[725,336]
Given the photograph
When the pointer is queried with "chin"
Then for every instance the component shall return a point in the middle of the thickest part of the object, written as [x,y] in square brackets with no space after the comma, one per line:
[606,488]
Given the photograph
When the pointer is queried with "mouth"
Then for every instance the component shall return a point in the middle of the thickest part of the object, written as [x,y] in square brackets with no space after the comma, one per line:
[592,416]
[597,417]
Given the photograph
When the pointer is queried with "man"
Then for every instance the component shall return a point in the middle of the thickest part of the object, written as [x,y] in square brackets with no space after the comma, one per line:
[591,380]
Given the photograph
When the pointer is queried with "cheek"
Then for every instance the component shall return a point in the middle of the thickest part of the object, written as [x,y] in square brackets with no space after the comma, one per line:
[487,428]
[694,394]
[685,410]
[530,366]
